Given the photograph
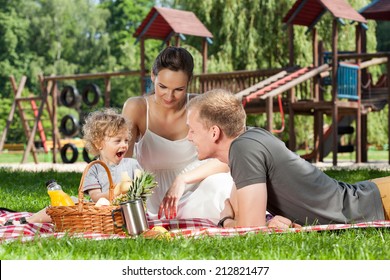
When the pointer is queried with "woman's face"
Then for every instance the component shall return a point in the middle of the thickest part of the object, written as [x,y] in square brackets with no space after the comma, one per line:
[170,87]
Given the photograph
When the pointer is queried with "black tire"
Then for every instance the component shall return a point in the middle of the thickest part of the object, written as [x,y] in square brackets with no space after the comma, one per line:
[64,150]
[86,157]
[94,89]
[70,97]
[73,129]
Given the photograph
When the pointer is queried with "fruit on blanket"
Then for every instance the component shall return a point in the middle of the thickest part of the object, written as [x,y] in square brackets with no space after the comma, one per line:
[160,229]
[157,232]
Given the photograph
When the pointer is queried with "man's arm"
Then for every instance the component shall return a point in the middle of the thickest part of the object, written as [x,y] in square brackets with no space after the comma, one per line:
[247,206]
[252,205]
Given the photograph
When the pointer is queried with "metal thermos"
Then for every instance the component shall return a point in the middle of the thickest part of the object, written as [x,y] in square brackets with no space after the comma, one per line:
[133,215]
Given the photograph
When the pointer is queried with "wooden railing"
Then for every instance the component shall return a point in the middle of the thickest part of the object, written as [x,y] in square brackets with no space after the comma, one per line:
[232,81]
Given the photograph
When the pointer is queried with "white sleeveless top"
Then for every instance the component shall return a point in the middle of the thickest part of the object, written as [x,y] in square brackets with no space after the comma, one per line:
[165,158]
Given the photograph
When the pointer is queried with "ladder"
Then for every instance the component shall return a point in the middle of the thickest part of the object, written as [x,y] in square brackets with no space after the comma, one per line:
[29,132]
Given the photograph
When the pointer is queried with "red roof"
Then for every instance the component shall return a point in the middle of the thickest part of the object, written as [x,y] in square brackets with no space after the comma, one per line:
[161,23]
[377,10]
[309,12]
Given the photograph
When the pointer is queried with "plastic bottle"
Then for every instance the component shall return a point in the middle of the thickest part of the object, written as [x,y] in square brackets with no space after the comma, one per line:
[57,195]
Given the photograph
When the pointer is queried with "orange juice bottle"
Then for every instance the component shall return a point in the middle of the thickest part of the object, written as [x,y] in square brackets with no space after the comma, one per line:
[57,196]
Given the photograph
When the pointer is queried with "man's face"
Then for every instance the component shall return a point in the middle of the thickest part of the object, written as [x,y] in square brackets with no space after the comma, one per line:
[199,136]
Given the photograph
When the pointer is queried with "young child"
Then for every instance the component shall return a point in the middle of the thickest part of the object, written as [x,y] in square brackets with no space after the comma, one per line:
[107,135]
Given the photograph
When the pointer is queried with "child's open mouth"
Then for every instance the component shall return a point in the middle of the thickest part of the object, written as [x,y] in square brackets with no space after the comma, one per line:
[120,154]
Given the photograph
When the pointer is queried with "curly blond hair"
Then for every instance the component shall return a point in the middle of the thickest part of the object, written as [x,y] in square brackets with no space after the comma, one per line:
[100,124]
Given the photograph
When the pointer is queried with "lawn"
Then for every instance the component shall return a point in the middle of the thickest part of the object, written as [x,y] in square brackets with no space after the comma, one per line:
[25,191]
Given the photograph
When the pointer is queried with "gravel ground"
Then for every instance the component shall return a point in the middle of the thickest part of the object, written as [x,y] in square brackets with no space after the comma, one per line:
[80,166]
[74,167]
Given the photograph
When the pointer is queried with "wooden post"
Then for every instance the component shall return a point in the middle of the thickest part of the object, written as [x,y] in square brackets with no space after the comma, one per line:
[177,41]
[204,56]
[18,93]
[143,72]
[54,111]
[388,102]
[320,130]
[334,90]
[316,86]
[316,93]
[364,137]
[359,101]
[269,112]
[107,91]
[46,89]
[291,92]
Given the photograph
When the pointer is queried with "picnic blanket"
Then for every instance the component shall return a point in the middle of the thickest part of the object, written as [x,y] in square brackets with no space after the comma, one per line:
[177,227]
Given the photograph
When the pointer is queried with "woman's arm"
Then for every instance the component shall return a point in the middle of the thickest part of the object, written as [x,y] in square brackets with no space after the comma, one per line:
[169,204]
[212,166]
[134,111]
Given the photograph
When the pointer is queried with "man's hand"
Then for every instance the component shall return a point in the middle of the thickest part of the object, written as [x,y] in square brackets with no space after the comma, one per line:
[281,223]
[227,210]
[169,204]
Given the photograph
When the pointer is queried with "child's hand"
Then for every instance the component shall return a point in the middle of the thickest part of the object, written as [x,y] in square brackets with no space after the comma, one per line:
[117,189]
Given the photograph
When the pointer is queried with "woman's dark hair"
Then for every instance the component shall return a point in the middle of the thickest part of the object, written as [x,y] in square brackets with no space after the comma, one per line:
[175,59]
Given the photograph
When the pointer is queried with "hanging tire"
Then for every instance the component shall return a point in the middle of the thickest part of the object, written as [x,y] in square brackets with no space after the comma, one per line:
[64,153]
[70,97]
[86,157]
[91,90]
[69,126]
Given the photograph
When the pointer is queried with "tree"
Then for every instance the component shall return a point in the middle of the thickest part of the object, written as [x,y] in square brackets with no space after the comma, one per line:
[125,17]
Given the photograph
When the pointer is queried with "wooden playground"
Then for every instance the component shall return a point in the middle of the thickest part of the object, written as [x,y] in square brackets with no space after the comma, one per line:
[337,84]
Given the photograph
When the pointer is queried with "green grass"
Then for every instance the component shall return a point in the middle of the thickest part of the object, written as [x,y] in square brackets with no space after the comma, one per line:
[25,191]
[373,155]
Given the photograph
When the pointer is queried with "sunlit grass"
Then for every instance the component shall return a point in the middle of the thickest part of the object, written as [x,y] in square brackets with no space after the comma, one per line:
[25,191]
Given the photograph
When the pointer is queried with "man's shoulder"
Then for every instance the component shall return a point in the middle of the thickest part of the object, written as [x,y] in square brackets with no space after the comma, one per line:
[254,132]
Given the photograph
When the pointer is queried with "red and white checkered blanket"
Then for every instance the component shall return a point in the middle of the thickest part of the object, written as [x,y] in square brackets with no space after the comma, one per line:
[185,228]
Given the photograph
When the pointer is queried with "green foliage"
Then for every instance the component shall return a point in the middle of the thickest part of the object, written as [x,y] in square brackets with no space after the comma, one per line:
[378,128]
[382,32]
[63,37]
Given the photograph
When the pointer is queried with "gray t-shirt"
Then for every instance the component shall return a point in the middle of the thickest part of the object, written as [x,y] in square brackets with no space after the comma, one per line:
[296,189]
[97,178]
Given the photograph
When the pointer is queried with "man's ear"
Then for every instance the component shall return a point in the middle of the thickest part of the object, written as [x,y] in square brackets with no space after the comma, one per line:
[216,132]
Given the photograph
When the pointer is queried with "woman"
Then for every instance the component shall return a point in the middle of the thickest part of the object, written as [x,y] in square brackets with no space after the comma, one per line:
[188,188]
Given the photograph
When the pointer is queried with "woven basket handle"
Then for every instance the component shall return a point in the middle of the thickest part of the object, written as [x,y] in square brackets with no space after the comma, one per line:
[81,186]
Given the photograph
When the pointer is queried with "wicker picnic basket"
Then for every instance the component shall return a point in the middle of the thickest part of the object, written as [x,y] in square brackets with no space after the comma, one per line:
[85,216]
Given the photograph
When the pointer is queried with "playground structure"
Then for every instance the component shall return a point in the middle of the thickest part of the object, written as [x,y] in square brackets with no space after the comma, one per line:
[48,100]
[345,70]
[353,94]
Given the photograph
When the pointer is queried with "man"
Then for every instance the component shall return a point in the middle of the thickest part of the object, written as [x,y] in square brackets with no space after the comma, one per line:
[268,176]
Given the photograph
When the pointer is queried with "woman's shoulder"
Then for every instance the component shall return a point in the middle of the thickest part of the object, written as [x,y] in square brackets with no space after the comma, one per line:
[135,101]
[135,106]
